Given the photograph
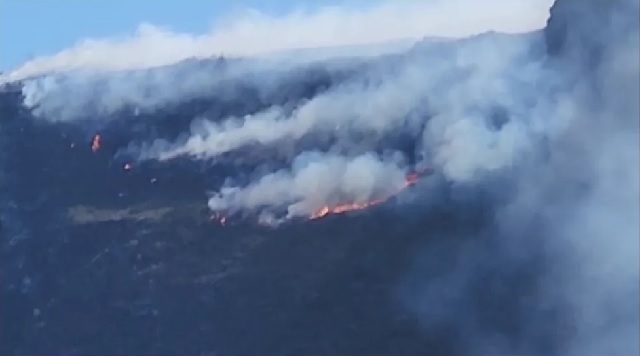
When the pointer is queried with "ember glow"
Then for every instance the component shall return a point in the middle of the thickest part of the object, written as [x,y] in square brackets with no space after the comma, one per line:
[96,143]
[412,179]
[220,218]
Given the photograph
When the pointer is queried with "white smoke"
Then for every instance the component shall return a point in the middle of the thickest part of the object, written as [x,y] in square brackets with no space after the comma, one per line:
[316,181]
[580,203]
[461,142]
[601,149]
[105,75]
[469,147]
[475,79]
[254,33]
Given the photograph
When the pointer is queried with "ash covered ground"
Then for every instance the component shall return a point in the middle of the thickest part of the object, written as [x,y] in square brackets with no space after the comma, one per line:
[519,237]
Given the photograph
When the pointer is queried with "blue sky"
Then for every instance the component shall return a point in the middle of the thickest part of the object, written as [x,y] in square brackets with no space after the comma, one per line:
[30,28]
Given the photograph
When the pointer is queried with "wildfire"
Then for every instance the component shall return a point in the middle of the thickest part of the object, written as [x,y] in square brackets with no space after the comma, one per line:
[96,143]
[222,219]
[343,208]
[411,179]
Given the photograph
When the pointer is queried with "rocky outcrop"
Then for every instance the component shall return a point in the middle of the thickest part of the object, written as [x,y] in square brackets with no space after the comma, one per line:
[584,28]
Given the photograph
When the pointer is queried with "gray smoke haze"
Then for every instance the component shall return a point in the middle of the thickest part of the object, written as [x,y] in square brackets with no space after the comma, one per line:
[449,89]
[561,127]
[98,95]
[581,204]
[600,150]
[454,83]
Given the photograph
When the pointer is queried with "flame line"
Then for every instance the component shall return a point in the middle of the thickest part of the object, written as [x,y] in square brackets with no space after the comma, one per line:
[411,180]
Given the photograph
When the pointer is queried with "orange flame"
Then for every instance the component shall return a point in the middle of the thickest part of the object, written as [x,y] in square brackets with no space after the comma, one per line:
[411,179]
[96,143]
[344,208]
[222,219]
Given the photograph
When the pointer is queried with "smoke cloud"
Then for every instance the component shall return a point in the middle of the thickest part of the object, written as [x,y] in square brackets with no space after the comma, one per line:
[252,33]
[552,116]
[106,75]
[577,204]
[304,189]
[476,81]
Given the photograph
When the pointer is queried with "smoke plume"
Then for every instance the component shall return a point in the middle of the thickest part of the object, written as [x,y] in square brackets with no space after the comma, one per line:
[305,189]
[251,33]
[125,71]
